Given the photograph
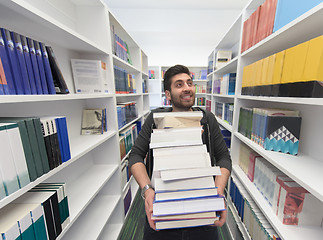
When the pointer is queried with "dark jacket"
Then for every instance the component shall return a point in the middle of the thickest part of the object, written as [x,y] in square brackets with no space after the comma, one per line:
[211,136]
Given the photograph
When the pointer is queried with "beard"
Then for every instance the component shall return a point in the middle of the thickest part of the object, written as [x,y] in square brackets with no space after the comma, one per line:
[183,102]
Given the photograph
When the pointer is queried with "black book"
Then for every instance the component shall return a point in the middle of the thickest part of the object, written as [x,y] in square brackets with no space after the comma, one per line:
[59,81]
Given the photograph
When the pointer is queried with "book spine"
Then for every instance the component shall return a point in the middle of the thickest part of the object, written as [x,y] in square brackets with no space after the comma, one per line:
[48,72]
[33,58]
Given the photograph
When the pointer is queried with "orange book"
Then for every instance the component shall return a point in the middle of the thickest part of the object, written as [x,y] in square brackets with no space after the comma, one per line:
[271,16]
[255,26]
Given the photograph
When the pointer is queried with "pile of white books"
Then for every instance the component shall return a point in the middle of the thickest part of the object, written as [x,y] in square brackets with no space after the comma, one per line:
[185,193]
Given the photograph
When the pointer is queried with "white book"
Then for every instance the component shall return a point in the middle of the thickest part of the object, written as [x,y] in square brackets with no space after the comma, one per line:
[2,189]
[185,194]
[184,216]
[193,160]
[7,165]
[177,119]
[90,76]
[18,154]
[194,183]
[179,150]
[38,218]
[185,223]
[176,137]
[173,174]
[188,206]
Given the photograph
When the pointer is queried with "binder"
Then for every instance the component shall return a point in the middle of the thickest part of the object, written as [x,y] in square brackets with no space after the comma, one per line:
[41,69]
[7,69]
[48,72]
[12,61]
[34,63]
[58,78]
[29,67]
[21,62]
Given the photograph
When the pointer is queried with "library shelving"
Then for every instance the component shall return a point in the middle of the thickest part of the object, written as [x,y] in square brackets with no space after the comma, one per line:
[156,88]
[306,167]
[81,30]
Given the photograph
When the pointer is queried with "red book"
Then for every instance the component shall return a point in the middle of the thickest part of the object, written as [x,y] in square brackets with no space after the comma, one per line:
[251,166]
[255,26]
[244,36]
[251,29]
[271,16]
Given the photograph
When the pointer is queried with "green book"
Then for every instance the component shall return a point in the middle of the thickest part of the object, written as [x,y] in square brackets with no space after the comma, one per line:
[26,226]
[41,144]
[38,220]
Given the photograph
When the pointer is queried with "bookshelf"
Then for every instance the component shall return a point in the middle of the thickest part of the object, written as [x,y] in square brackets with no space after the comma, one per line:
[93,174]
[156,88]
[307,166]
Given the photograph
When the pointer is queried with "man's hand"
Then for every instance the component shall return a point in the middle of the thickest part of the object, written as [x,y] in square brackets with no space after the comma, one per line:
[223,217]
[149,199]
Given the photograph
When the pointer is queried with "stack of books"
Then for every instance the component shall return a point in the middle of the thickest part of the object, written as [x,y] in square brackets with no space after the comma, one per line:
[183,177]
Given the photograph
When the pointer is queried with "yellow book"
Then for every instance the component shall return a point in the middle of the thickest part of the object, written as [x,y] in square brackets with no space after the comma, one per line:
[259,65]
[313,70]
[278,67]
[270,70]
[246,76]
[253,74]
[264,72]
[299,62]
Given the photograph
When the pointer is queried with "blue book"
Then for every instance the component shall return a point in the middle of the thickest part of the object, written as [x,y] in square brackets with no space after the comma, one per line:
[48,72]
[289,10]
[33,58]
[66,141]
[21,62]
[11,53]
[34,63]
[29,65]
[10,88]
[41,69]
[60,139]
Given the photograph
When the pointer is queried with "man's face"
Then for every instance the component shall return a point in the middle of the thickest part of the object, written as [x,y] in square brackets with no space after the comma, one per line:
[182,92]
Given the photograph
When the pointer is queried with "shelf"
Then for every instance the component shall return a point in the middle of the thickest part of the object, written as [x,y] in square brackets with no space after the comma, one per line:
[128,124]
[292,100]
[123,64]
[284,231]
[237,219]
[52,31]
[228,68]
[306,171]
[128,94]
[78,147]
[223,96]
[83,190]
[300,30]
[50,98]
[113,230]
[99,213]
[224,124]
[128,184]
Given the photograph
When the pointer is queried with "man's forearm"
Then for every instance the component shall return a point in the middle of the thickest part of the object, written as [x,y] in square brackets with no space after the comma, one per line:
[139,172]
[221,180]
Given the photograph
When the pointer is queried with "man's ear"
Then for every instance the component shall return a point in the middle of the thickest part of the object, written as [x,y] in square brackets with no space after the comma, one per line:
[167,94]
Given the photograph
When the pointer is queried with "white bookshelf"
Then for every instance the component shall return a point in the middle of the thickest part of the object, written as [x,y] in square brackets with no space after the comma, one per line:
[306,168]
[80,29]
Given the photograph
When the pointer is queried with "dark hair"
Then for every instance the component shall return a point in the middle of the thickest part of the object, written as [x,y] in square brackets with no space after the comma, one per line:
[171,72]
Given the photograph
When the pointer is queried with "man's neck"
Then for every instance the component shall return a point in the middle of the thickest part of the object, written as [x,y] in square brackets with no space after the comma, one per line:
[174,109]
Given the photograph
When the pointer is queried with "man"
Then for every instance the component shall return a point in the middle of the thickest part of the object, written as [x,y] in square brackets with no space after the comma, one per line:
[180,90]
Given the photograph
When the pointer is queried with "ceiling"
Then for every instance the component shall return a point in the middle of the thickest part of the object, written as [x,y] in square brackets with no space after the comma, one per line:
[177,31]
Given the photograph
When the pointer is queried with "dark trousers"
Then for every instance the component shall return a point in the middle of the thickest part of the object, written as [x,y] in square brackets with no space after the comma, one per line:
[192,233]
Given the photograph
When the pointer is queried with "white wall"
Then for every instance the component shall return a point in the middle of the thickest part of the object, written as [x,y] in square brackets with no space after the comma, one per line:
[169,37]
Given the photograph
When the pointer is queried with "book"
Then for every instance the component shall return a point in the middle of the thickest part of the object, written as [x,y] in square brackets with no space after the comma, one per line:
[58,78]
[160,225]
[7,165]
[3,193]
[177,119]
[34,63]
[48,71]
[92,121]
[185,216]
[176,137]
[29,66]
[7,75]
[17,153]
[222,57]
[2,76]
[207,204]
[90,76]
[195,183]
[41,68]
[161,196]
[38,220]
[12,59]
[63,139]
[172,174]
[21,62]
